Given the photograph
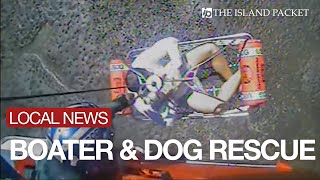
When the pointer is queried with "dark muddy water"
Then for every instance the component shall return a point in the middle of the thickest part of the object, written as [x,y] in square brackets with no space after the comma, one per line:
[50,46]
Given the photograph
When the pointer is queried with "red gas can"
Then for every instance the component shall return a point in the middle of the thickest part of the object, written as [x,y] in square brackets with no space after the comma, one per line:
[253,86]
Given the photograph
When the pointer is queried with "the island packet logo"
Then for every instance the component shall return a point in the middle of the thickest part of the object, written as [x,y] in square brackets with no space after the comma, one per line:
[206,13]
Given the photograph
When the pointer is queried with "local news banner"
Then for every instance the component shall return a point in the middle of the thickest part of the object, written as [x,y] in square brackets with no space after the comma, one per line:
[65,118]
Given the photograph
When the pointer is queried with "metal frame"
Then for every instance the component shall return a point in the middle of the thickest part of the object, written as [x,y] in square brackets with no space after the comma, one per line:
[232,40]
[240,36]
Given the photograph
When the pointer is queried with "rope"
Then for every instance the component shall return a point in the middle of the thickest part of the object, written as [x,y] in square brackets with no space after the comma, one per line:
[12,98]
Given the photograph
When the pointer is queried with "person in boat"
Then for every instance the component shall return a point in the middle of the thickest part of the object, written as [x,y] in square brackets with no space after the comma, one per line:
[157,84]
